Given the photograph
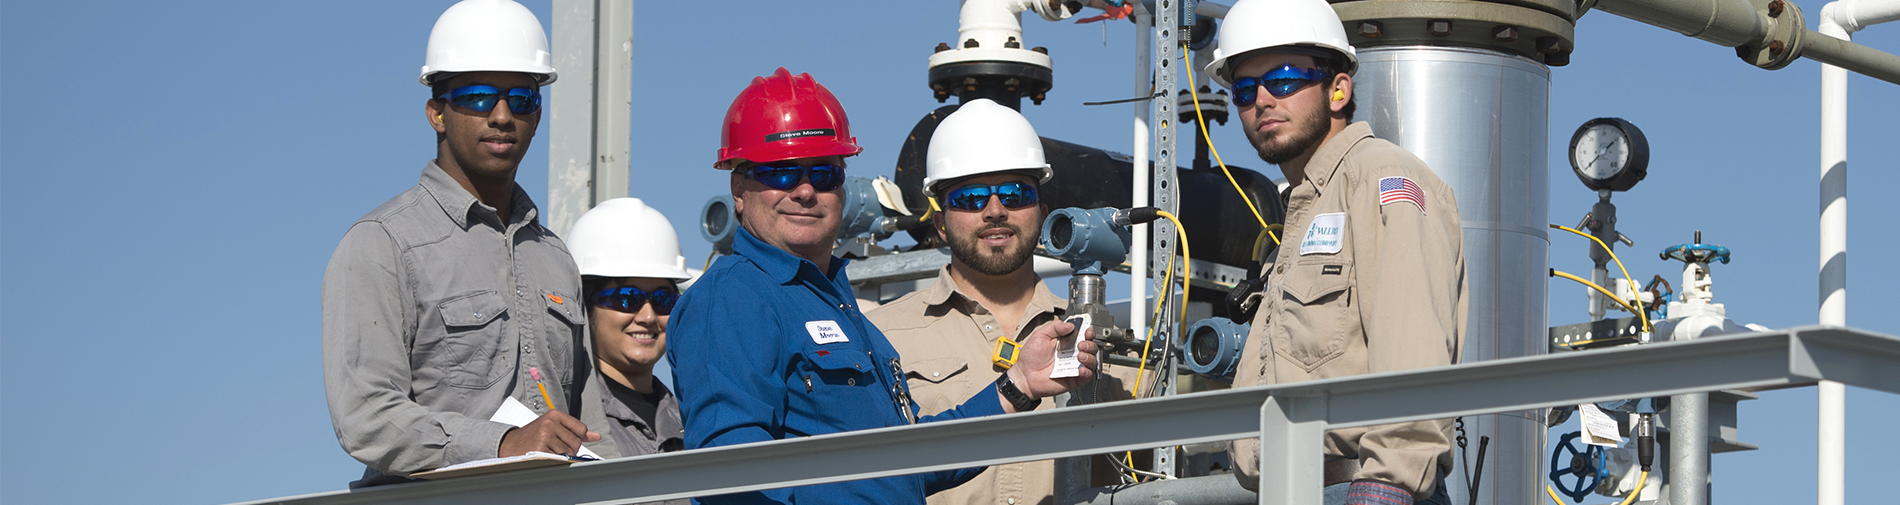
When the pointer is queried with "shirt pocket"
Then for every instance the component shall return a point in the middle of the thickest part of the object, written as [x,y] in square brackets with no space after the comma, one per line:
[473,339]
[938,383]
[1316,313]
[564,331]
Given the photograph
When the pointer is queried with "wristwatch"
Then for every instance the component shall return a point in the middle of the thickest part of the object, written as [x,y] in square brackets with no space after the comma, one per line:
[1016,398]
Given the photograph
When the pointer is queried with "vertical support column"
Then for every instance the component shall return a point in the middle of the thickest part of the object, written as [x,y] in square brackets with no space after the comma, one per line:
[590,108]
[1166,188]
[1689,449]
[1831,464]
[1291,453]
[1138,257]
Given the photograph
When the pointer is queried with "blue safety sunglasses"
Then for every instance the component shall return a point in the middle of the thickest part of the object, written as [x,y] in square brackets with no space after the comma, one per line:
[1280,82]
[482,98]
[784,177]
[973,197]
[629,299]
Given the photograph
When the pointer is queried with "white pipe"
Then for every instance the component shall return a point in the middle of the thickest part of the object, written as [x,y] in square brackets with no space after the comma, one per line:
[1840,20]
[993,23]
[1138,257]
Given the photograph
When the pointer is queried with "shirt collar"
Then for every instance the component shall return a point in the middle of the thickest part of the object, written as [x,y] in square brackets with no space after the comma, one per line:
[1043,301]
[459,204]
[1332,153]
[779,264]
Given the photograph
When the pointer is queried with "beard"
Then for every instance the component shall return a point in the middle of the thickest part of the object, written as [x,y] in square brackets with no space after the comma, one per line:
[1305,134]
[1000,260]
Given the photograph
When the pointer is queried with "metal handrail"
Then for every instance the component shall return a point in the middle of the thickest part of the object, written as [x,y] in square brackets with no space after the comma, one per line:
[1295,416]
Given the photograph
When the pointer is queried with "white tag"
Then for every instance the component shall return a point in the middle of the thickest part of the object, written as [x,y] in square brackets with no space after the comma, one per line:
[1066,364]
[1599,428]
[1326,235]
[826,332]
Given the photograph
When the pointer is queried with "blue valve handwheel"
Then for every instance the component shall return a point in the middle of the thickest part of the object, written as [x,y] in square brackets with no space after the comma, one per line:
[1586,466]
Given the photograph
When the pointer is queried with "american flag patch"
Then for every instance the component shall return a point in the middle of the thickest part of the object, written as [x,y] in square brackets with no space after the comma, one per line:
[1400,189]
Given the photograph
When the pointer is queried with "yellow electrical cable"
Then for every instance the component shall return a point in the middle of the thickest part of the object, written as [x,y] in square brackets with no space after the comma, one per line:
[1600,289]
[1619,266]
[709,258]
[1553,495]
[1196,96]
[1639,488]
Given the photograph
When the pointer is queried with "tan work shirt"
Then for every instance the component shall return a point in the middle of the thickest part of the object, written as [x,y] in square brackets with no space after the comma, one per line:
[1365,281]
[946,340]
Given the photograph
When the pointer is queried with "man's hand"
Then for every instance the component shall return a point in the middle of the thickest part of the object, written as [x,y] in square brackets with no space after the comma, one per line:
[1038,358]
[553,432]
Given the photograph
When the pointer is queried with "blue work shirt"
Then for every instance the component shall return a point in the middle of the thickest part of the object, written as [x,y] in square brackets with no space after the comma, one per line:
[766,347]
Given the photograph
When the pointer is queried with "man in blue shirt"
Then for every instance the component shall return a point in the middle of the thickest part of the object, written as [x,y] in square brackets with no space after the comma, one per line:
[769,343]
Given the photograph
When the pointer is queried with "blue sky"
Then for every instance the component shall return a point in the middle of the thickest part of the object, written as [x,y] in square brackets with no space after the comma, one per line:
[173,178]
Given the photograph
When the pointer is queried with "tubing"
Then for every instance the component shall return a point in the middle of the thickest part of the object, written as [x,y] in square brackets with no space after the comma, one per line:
[1606,292]
[1619,265]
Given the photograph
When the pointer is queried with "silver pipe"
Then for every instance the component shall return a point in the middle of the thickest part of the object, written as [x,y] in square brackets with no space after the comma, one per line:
[1494,154]
[1220,489]
[1840,53]
[1727,22]
[1689,449]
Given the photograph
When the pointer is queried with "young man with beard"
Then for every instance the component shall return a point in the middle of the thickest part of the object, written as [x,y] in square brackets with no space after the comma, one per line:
[985,167]
[1371,275]
[441,304]
[769,343]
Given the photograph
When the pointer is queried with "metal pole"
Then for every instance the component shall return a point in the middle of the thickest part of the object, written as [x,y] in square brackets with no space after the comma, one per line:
[1291,455]
[590,111]
[1166,54]
[1689,449]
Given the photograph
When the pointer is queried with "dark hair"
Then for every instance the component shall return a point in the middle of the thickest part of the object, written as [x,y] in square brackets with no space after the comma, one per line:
[1334,66]
[439,84]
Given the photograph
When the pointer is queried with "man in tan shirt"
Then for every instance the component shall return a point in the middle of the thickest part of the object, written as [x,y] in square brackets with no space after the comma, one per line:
[1370,274]
[985,166]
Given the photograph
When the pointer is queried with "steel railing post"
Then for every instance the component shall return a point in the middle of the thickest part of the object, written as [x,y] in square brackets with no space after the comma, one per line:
[1291,456]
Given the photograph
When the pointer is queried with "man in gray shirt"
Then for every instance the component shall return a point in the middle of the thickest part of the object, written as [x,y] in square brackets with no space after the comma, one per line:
[451,298]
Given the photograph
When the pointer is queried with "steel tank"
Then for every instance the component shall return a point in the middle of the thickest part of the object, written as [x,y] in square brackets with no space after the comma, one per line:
[1480,118]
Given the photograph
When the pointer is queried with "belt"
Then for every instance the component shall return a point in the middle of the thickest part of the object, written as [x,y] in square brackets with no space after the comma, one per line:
[1341,471]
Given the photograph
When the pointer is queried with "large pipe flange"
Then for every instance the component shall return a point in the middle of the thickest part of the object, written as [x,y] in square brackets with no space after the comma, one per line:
[1542,30]
[1782,42]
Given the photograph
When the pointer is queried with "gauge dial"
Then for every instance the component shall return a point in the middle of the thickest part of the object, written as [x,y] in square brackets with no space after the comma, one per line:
[1609,153]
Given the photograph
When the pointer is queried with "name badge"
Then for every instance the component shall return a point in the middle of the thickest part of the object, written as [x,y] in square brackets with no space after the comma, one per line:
[826,332]
[1326,235]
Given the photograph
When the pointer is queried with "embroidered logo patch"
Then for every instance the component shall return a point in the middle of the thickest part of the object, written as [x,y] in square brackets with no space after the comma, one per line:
[826,332]
[1399,189]
[1326,235]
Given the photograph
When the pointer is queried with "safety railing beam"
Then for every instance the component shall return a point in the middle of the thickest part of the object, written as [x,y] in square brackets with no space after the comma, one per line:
[1792,357]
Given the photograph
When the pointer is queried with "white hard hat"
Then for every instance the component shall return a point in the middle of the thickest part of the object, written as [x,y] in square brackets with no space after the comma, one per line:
[488,35]
[623,237]
[1293,24]
[983,137]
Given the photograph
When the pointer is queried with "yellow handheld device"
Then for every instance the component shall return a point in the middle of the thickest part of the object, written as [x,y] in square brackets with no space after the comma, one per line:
[1006,352]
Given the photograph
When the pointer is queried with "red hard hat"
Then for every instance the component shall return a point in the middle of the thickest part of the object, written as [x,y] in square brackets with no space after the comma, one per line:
[784,117]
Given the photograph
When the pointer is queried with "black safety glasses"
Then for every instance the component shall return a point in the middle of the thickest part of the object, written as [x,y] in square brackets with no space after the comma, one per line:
[483,98]
[1280,82]
[785,177]
[1014,195]
[629,299]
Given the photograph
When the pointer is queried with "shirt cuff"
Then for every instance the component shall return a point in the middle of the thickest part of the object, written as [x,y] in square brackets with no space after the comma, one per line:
[474,439]
[1372,492]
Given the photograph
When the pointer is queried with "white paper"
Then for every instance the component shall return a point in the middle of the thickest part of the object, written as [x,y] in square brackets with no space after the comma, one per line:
[1066,363]
[1599,428]
[826,332]
[510,459]
[516,414]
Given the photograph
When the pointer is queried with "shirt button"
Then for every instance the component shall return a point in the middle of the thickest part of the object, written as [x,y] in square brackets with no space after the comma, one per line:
[936,374]
[850,382]
[1012,500]
[989,327]
[844,307]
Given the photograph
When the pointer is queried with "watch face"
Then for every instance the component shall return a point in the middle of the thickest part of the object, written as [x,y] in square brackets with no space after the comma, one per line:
[1602,152]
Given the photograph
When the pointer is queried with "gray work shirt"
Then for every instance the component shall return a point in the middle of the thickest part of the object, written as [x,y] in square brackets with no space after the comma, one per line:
[631,435]
[434,309]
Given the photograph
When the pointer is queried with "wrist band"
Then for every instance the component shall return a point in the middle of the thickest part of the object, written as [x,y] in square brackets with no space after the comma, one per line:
[1016,398]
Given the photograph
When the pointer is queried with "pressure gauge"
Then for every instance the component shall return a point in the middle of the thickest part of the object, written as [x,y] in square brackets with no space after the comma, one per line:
[1609,153]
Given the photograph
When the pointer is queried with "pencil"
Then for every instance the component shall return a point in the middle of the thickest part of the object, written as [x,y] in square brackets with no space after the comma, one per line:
[536,373]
